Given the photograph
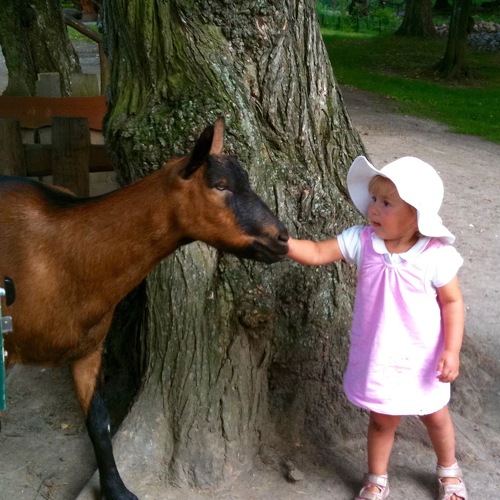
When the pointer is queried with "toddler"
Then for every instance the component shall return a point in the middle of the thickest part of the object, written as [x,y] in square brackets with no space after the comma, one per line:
[408,318]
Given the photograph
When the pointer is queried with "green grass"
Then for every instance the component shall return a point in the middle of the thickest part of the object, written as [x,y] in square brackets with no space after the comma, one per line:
[77,36]
[401,68]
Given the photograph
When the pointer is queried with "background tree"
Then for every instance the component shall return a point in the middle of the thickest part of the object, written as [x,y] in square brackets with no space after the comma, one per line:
[359,8]
[442,7]
[219,337]
[34,40]
[417,20]
[454,62]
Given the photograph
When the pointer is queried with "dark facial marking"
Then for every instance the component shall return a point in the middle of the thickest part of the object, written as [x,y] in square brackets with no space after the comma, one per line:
[251,212]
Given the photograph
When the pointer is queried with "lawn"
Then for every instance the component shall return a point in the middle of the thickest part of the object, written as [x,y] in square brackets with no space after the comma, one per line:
[401,68]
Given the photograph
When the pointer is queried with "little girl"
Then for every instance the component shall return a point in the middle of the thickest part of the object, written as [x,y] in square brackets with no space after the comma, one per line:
[408,319]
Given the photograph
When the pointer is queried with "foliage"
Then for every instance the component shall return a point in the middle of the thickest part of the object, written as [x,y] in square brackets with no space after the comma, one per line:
[382,17]
[379,19]
[402,69]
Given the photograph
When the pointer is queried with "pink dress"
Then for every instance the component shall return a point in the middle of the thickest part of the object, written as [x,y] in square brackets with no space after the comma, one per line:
[396,335]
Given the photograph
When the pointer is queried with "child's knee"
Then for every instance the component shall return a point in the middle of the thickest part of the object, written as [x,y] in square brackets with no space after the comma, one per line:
[440,418]
[381,423]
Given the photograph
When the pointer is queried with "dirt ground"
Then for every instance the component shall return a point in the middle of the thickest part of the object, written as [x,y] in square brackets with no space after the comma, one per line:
[45,451]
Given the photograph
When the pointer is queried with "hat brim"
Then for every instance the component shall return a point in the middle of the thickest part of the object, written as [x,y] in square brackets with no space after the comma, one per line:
[432,226]
[358,178]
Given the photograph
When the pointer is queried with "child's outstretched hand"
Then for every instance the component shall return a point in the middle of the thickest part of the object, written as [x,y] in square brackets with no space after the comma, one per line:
[314,253]
[448,366]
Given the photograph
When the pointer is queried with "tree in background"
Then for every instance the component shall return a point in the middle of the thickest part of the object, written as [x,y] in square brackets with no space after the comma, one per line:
[454,62]
[442,7]
[359,8]
[417,20]
[224,343]
[34,40]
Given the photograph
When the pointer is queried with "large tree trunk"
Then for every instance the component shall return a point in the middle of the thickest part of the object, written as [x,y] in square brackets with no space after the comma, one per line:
[417,20]
[34,40]
[214,325]
[454,62]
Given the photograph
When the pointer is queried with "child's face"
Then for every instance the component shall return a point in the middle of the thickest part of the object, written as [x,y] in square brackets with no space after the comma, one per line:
[391,217]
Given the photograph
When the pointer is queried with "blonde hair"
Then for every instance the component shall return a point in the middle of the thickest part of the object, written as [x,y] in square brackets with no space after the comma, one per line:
[377,180]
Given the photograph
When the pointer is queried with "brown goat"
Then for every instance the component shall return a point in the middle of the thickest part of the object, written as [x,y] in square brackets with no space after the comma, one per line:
[73,259]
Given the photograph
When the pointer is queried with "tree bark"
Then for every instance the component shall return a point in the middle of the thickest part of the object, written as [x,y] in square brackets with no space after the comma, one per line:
[454,62]
[34,40]
[417,20]
[215,327]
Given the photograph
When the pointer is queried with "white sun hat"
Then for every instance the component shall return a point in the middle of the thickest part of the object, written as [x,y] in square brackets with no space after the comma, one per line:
[417,183]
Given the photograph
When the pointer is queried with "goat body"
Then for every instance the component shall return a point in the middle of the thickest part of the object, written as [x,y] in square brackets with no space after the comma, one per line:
[73,259]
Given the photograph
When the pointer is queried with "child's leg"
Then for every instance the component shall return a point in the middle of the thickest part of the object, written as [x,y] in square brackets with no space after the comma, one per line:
[381,431]
[442,435]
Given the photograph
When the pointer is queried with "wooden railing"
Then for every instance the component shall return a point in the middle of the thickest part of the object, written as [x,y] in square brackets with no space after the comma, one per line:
[62,137]
[97,38]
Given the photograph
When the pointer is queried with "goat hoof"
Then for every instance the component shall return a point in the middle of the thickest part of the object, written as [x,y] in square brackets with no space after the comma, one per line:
[118,491]
[124,495]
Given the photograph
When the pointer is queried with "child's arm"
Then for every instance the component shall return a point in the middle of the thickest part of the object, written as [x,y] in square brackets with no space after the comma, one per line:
[452,311]
[314,253]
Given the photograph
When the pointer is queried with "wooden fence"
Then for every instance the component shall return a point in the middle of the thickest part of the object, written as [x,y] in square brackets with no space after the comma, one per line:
[62,137]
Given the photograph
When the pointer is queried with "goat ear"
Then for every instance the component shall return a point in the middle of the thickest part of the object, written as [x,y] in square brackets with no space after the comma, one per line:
[210,142]
[218,137]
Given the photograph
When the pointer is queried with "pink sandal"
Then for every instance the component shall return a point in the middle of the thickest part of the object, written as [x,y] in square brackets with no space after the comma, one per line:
[380,482]
[447,490]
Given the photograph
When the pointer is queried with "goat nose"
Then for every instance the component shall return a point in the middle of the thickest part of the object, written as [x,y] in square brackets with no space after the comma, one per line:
[283,235]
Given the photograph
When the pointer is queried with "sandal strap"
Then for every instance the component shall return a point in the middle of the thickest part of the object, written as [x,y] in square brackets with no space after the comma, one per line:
[380,482]
[447,490]
[452,471]
[368,495]
[373,479]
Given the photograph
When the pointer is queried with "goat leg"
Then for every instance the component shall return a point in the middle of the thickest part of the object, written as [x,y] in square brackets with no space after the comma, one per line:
[85,373]
[112,486]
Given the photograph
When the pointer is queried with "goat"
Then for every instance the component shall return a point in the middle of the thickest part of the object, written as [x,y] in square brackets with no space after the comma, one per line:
[73,259]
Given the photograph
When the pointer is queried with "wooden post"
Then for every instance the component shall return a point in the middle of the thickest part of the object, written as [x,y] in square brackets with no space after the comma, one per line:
[71,153]
[12,158]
